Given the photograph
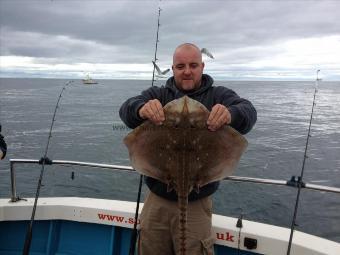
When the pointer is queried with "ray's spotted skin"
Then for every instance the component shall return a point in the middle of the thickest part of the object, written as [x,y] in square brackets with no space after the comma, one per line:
[183,153]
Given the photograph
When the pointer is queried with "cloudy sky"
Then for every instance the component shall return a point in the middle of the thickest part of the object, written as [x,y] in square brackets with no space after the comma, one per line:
[250,40]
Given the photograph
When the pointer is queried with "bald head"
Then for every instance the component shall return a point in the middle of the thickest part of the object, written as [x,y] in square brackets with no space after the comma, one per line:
[187,47]
[187,67]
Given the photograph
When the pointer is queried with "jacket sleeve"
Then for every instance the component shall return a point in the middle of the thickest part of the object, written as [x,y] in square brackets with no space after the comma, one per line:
[3,146]
[128,112]
[243,113]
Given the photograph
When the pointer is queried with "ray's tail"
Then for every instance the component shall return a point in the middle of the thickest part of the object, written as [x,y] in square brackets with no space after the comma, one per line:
[183,205]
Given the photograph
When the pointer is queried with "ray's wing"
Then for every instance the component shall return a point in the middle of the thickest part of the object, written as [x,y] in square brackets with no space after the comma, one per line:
[149,150]
[210,156]
[219,153]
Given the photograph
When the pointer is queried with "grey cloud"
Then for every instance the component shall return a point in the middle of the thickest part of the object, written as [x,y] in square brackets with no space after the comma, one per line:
[124,31]
[101,21]
[242,23]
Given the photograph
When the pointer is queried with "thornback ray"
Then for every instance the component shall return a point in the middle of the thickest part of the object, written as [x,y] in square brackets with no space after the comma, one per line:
[183,153]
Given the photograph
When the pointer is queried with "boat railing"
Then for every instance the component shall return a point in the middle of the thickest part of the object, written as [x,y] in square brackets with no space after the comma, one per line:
[293,182]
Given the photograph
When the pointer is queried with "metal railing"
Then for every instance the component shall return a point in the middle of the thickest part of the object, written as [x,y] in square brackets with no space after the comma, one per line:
[293,182]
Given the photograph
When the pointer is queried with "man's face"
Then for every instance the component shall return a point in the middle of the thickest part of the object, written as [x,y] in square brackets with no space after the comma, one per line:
[187,68]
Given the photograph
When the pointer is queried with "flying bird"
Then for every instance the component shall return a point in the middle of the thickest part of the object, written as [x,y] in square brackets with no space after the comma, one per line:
[206,52]
[159,72]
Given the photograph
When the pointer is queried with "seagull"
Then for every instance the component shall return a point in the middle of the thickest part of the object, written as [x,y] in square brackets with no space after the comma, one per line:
[159,72]
[206,52]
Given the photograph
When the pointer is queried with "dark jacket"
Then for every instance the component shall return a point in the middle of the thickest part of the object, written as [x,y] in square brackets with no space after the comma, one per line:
[3,145]
[243,116]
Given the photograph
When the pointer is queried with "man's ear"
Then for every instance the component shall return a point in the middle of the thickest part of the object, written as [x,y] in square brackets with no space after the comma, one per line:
[203,65]
[172,67]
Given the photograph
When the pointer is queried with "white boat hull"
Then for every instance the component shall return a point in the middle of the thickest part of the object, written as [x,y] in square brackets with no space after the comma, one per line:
[270,239]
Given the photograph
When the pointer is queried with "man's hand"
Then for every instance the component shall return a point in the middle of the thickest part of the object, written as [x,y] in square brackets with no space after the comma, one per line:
[152,111]
[218,117]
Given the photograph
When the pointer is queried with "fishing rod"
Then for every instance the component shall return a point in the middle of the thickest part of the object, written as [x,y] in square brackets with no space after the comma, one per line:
[43,161]
[156,45]
[299,180]
[134,232]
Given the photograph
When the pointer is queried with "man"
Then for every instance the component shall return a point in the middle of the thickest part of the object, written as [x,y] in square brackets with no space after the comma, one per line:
[3,146]
[159,219]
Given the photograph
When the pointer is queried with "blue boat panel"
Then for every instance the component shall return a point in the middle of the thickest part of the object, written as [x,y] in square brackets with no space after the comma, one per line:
[12,237]
[84,238]
[61,237]
[125,235]
[222,250]
[53,238]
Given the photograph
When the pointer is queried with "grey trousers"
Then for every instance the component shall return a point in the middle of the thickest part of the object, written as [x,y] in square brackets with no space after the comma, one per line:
[159,230]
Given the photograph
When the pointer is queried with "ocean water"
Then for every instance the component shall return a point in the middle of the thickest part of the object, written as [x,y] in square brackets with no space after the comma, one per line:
[83,131]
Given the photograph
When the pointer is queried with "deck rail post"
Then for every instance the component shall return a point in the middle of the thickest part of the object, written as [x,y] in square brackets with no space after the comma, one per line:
[14,197]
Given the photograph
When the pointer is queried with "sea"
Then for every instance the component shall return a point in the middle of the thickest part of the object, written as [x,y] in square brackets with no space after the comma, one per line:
[87,128]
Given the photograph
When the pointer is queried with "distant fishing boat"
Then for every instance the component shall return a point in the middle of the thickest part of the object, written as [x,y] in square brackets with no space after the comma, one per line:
[89,80]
